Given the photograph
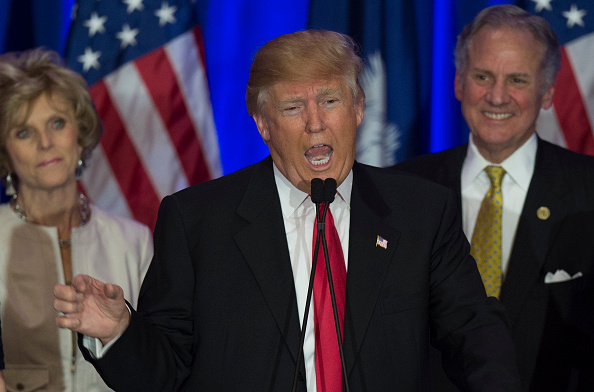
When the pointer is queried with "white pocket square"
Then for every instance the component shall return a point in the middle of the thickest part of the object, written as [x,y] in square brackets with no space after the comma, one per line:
[560,276]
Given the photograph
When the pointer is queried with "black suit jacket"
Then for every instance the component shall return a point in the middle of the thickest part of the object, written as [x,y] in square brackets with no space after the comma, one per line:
[217,310]
[552,324]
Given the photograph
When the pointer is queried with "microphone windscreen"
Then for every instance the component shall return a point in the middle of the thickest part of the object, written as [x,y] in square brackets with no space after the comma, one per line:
[329,190]
[317,190]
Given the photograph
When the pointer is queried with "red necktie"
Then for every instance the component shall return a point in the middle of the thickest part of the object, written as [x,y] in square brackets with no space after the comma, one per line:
[328,365]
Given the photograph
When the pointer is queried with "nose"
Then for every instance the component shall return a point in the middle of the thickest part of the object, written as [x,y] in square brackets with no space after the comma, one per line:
[315,118]
[498,94]
[45,140]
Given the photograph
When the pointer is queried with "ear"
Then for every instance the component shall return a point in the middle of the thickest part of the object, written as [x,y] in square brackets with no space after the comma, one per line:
[359,109]
[547,98]
[458,87]
[263,128]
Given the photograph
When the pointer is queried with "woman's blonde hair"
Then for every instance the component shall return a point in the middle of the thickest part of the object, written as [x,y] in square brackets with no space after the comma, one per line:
[24,77]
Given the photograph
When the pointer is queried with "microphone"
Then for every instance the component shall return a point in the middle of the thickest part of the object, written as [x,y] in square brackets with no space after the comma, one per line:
[329,190]
[317,190]
[321,191]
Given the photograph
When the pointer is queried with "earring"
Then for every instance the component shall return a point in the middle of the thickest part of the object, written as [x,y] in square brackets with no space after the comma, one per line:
[10,191]
[79,169]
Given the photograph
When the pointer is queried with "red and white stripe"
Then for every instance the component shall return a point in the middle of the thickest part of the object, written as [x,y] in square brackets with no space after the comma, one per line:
[570,122]
[159,134]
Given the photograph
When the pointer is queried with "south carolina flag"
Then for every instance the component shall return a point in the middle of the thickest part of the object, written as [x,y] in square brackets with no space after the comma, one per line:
[144,63]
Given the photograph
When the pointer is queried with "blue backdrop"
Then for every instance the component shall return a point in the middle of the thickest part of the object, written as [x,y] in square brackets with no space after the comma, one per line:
[416,38]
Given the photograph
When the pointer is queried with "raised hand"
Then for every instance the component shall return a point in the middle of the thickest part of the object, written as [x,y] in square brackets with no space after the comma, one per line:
[91,307]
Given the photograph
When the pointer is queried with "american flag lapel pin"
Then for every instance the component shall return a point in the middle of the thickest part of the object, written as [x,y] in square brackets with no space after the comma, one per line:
[381,242]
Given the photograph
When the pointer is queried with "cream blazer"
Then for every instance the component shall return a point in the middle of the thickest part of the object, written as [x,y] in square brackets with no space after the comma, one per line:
[38,355]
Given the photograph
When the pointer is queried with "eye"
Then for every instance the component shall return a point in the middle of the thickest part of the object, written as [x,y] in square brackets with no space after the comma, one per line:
[291,109]
[481,78]
[57,123]
[330,103]
[23,133]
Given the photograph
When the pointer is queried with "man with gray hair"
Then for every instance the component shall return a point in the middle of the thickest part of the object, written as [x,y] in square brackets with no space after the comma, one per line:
[527,206]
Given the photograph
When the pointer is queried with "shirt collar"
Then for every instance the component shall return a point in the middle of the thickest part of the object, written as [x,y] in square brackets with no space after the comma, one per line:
[519,166]
[295,202]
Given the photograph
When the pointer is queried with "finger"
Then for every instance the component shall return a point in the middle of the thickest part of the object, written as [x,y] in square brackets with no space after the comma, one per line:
[65,293]
[68,322]
[67,306]
[82,282]
[113,291]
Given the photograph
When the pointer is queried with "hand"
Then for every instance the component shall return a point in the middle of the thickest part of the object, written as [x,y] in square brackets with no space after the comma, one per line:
[2,385]
[91,307]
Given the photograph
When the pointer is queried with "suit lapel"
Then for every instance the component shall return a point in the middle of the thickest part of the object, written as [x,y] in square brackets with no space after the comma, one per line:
[263,243]
[367,263]
[533,234]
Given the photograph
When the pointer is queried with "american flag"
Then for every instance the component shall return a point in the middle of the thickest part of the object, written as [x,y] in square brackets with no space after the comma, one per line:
[570,122]
[144,63]
[381,242]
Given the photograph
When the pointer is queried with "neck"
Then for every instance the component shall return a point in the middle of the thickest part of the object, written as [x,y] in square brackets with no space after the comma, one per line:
[61,209]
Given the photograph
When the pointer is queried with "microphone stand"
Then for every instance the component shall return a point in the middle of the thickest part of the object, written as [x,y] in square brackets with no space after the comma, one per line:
[334,308]
[329,195]
[316,196]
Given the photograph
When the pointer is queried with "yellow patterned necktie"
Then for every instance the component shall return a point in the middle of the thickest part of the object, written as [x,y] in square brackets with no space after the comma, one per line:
[485,246]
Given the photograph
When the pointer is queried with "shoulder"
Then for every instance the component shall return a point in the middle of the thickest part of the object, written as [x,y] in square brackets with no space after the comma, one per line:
[430,165]
[566,155]
[5,211]
[400,185]
[10,223]
[223,191]
[573,165]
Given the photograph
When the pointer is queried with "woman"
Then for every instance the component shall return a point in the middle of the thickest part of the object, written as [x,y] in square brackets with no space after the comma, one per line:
[49,231]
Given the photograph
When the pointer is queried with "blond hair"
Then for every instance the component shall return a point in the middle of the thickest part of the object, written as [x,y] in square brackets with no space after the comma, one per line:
[24,77]
[302,56]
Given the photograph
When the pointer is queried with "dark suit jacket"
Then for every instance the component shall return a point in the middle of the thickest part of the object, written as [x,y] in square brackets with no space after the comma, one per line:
[552,324]
[217,310]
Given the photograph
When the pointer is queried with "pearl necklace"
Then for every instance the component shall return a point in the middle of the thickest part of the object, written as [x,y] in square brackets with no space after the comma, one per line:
[85,215]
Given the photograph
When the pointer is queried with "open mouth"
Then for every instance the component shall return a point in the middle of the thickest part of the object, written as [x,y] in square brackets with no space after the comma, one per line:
[319,155]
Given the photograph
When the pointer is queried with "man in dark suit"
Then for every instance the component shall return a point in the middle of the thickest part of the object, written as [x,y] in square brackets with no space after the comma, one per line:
[506,62]
[222,303]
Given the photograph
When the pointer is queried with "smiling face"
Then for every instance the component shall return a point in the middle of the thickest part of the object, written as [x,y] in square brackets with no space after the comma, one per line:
[310,129]
[44,151]
[502,90]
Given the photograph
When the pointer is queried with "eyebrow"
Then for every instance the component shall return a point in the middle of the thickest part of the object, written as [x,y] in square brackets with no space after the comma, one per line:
[515,74]
[323,91]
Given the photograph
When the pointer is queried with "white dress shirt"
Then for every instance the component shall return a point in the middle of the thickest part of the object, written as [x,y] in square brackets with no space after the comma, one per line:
[299,216]
[475,183]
